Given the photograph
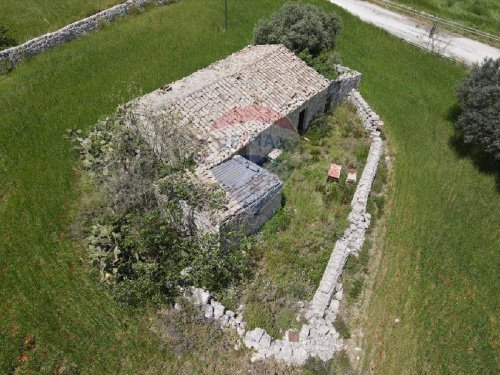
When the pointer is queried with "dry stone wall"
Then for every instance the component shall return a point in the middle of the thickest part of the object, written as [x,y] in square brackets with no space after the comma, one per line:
[13,56]
[317,337]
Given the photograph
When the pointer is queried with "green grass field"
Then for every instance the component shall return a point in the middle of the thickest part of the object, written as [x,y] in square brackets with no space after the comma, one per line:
[30,18]
[439,265]
[480,14]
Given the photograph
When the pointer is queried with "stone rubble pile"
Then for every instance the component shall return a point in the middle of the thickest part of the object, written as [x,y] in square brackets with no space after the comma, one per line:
[15,55]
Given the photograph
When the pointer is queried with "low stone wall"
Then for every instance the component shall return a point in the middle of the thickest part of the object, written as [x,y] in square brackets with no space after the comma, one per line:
[317,337]
[13,56]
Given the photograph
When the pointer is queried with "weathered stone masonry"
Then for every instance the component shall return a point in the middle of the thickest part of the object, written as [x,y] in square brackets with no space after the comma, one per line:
[317,337]
[15,55]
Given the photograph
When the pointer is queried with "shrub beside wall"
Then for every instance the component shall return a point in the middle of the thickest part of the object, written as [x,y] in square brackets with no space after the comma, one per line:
[479,97]
[299,27]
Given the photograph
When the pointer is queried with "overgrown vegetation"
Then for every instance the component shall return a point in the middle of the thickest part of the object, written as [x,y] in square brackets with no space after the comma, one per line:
[140,239]
[291,255]
[434,278]
[5,39]
[479,97]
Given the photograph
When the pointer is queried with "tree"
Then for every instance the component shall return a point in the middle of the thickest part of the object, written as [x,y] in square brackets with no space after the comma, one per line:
[299,27]
[479,98]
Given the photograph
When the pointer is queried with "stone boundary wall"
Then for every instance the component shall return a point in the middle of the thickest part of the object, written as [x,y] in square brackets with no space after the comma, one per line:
[317,337]
[14,55]
[341,87]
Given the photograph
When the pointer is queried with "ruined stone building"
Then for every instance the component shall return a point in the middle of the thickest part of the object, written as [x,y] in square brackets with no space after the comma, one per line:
[239,109]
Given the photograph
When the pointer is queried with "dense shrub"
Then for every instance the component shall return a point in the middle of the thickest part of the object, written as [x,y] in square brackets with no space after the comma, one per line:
[324,63]
[299,27]
[479,97]
[5,39]
[134,238]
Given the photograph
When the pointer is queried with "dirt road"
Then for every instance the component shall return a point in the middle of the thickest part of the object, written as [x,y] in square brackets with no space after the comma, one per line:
[417,32]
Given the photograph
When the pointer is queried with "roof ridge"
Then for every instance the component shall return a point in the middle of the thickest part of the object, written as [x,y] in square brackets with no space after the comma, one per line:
[275,48]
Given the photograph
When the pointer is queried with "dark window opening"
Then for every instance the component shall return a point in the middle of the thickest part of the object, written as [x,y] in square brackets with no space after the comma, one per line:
[328,103]
[302,121]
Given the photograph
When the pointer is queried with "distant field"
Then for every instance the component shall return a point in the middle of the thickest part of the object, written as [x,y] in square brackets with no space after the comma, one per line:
[439,269]
[480,14]
[30,18]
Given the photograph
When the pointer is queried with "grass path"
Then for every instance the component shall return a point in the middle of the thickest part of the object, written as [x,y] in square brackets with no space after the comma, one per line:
[439,252]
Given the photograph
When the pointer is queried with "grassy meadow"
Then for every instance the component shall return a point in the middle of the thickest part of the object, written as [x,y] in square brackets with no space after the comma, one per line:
[480,14]
[30,18]
[440,253]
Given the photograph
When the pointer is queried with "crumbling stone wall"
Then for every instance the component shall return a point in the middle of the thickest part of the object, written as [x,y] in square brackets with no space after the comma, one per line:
[317,337]
[15,55]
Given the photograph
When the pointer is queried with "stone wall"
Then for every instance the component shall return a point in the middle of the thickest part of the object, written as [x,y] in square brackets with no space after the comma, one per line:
[13,56]
[343,85]
[246,222]
[317,337]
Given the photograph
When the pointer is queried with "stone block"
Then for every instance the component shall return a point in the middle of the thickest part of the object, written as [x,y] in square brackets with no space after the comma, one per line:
[208,311]
[218,309]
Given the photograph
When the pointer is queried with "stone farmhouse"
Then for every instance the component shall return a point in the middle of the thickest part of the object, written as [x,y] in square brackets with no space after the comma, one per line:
[238,110]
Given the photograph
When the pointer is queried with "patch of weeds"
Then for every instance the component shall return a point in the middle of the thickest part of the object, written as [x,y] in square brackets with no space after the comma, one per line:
[279,223]
[266,309]
[315,366]
[354,288]
[134,10]
[102,23]
[341,327]
[380,178]
[341,364]
[361,151]
[324,63]
[6,40]
[185,330]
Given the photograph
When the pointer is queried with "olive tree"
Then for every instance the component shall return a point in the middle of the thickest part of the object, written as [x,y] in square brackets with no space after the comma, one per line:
[299,27]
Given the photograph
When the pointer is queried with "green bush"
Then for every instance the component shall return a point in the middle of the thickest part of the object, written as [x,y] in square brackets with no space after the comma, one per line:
[479,97]
[324,63]
[299,27]
[5,40]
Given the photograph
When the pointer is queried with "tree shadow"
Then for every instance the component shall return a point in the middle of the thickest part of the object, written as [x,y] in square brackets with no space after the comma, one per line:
[484,162]
[453,112]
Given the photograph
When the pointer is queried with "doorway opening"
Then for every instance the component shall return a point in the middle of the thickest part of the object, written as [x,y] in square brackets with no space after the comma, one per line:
[302,121]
